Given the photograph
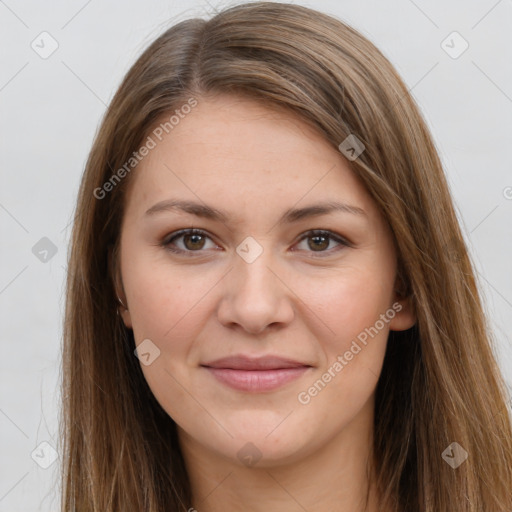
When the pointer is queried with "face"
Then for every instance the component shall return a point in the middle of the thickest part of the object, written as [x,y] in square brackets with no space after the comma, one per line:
[300,299]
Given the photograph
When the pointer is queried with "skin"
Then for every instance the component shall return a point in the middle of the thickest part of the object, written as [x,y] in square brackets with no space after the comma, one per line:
[297,299]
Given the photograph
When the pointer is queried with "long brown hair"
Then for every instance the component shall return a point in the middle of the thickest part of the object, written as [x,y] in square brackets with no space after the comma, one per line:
[440,383]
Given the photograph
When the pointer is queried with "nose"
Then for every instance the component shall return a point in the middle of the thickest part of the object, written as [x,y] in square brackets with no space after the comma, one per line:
[256,296]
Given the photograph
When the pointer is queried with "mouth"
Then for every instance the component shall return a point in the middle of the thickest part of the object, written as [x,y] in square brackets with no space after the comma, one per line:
[258,375]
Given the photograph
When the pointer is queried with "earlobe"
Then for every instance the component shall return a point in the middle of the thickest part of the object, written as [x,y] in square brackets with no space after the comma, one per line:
[405,316]
[122,305]
[123,311]
[125,315]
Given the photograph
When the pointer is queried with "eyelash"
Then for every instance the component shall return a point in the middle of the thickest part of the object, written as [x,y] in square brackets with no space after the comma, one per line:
[166,243]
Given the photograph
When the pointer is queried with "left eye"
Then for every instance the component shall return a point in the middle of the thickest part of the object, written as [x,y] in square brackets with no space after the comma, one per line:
[320,240]
[194,240]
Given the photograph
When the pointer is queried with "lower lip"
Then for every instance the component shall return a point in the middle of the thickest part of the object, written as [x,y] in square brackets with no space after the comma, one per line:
[257,380]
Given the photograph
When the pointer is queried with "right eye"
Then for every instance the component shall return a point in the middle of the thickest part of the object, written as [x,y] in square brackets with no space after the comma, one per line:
[193,240]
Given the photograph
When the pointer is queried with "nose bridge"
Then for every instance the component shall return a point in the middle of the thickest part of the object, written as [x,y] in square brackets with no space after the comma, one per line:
[255,297]
[254,278]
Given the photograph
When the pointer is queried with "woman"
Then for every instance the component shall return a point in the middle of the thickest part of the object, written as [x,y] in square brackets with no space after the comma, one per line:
[270,305]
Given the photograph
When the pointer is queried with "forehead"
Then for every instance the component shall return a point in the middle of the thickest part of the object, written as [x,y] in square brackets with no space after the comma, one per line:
[237,151]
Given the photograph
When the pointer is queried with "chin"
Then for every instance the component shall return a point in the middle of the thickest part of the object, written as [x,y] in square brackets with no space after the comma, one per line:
[262,442]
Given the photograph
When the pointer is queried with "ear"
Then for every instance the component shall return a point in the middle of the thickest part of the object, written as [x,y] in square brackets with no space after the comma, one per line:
[403,305]
[405,316]
[115,273]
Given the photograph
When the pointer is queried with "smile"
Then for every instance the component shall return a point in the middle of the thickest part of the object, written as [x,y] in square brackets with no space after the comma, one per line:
[245,373]
[257,380]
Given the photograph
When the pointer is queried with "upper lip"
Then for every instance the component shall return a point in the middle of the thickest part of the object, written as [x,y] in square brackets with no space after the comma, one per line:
[243,362]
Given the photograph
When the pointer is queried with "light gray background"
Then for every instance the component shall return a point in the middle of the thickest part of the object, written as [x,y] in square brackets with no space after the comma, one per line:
[51,108]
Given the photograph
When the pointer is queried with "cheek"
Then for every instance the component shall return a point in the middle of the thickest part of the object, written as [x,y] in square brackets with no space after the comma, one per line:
[167,304]
[347,303]
[353,353]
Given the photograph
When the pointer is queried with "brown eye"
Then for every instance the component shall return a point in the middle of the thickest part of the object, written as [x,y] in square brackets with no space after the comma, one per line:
[187,242]
[318,241]
[193,241]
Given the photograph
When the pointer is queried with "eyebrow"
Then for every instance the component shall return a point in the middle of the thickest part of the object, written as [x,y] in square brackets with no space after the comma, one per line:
[289,216]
